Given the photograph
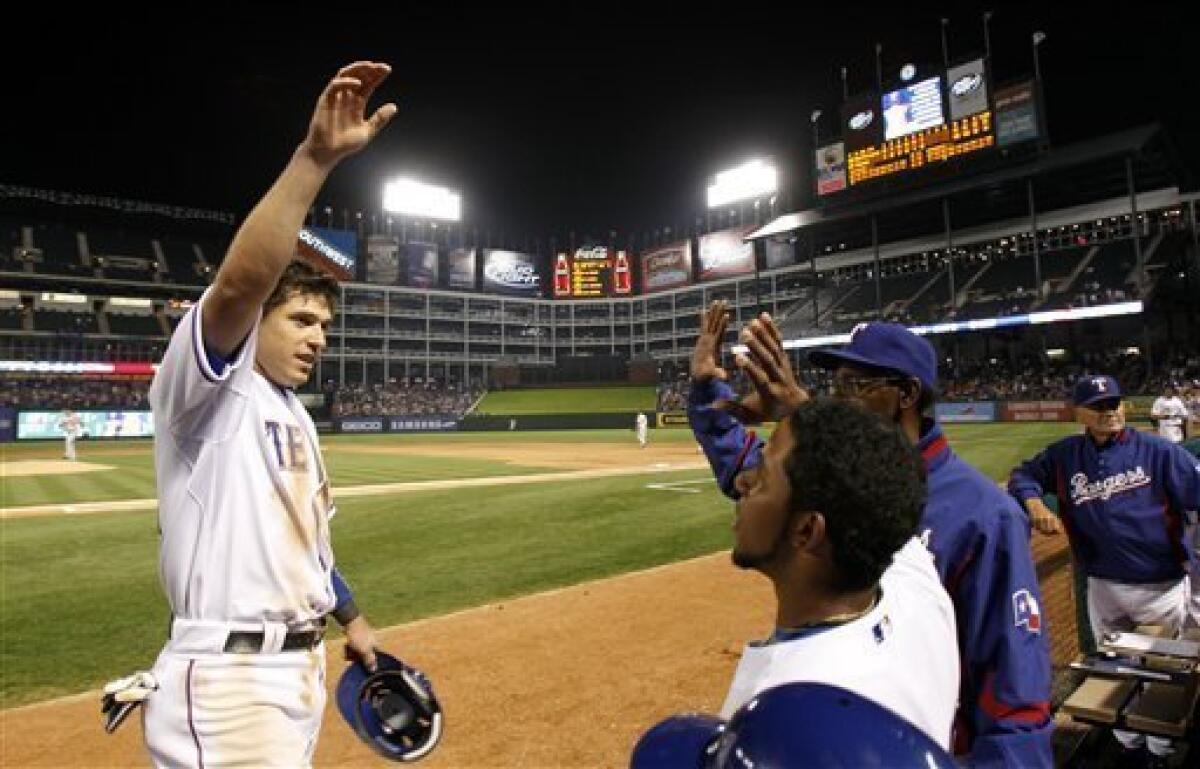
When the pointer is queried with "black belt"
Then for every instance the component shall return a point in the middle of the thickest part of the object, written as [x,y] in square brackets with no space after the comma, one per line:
[242,642]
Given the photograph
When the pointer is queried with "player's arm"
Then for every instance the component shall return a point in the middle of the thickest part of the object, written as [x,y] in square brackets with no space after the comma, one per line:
[729,447]
[266,241]
[1005,650]
[1180,477]
[360,636]
[1027,482]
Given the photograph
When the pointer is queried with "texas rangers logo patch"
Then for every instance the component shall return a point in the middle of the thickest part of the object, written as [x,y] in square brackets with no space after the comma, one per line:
[1026,612]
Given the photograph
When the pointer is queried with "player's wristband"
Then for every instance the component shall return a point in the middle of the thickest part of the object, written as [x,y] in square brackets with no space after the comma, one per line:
[344,610]
[346,613]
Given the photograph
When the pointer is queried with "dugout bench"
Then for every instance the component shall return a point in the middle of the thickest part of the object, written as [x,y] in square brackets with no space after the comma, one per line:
[1141,682]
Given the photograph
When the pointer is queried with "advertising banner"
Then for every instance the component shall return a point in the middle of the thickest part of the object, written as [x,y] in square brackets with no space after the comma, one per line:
[383,260]
[1016,114]
[360,425]
[420,264]
[862,125]
[780,253]
[34,425]
[422,424]
[335,250]
[971,411]
[667,267]
[967,89]
[1036,411]
[510,272]
[831,168]
[725,253]
[8,424]
[460,266]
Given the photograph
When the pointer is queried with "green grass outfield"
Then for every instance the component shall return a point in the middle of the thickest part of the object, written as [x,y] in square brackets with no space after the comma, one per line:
[568,401]
[80,601]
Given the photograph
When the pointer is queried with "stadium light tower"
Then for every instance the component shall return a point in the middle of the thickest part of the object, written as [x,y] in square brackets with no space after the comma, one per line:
[413,198]
[746,182]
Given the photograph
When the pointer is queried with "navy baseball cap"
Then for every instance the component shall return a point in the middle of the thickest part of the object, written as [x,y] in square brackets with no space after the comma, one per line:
[1090,389]
[885,345]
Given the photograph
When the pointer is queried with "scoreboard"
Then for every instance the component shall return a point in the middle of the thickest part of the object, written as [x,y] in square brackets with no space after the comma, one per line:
[931,145]
[923,122]
[592,273]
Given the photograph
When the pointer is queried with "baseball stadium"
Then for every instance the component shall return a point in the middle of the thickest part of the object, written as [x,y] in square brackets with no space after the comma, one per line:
[563,579]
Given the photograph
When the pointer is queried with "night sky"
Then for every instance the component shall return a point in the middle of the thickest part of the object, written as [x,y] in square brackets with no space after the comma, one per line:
[598,117]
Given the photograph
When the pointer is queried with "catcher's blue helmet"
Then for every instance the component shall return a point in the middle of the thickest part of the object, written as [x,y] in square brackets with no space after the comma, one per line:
[794,725]
[394,709]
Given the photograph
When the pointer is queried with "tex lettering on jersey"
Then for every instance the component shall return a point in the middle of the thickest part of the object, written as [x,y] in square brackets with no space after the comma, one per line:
[295,459]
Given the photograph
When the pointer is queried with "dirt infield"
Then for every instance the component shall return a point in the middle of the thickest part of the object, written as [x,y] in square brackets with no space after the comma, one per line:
[48,467]
[568,678]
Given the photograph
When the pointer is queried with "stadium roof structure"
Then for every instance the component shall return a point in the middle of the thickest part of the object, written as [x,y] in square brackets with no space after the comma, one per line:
[1076,174]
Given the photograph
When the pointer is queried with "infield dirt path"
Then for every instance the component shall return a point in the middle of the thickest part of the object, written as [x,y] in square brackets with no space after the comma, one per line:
[569,678]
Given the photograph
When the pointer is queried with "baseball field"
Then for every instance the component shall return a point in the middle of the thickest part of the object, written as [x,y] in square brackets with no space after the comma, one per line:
[562,590]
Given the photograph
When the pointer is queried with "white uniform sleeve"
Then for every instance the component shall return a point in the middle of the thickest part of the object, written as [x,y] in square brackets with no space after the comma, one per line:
[186,387]
[1159,408]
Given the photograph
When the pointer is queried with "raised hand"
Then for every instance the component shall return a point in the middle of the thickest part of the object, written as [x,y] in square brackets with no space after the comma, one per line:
[706,357]
[777,393]
[339,125]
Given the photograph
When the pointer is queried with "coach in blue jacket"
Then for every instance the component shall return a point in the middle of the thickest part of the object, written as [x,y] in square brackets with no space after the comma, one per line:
[978,535]
[1127,500]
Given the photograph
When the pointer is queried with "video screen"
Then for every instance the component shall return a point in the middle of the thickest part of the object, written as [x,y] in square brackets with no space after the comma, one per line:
[913,108]
[32,425]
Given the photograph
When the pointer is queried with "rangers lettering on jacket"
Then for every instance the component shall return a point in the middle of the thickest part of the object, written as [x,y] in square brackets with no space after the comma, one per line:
[1083,490]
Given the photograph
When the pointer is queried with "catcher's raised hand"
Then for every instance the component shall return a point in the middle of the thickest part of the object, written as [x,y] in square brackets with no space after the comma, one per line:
[340,125]
[706,357]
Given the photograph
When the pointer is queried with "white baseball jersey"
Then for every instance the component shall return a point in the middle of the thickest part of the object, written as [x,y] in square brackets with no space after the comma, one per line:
[70,425]
[243,513]
[903,654]
[243,497]
[641,424]
[1170,413]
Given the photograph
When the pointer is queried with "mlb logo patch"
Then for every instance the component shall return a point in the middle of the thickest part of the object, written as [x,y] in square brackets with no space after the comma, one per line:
[882,629]
[1026,612]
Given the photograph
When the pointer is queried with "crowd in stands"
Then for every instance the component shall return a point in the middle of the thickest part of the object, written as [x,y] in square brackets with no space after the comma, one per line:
[77,393]
[994,378]
[418,396]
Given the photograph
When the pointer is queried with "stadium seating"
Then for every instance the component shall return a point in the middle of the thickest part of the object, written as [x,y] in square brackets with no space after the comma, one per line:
[65,322]
[134,325]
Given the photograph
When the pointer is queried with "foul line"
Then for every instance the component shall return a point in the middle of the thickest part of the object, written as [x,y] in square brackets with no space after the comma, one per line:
[367,490]
[675,486]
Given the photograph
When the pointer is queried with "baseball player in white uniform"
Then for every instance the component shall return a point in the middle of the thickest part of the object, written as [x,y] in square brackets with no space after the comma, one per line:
[830,517]
[1170,415]
[244,497]
[70,424]
[640,426]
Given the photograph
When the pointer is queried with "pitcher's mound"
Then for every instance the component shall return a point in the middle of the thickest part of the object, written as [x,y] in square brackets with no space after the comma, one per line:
[48,467]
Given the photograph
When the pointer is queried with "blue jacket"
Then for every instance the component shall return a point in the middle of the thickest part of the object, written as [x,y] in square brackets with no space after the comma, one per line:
[1125,505]
[980,542]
